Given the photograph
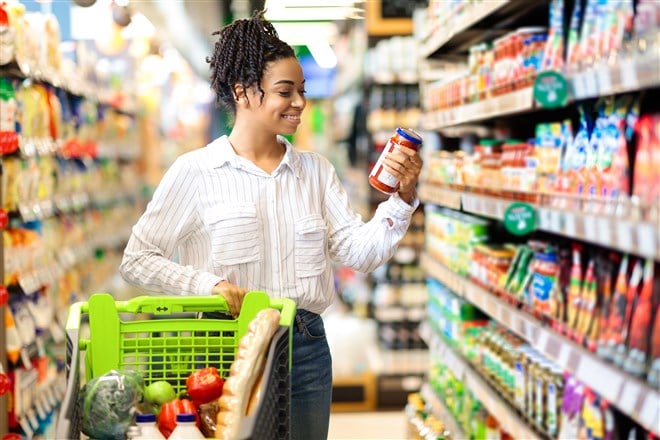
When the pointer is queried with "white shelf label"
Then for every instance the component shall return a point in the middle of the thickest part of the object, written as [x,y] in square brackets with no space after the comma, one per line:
[564,354]
[569,224]
[624,236]
[555,221]
[630,394]
[590,232]
[544,219]
[605,233]
[650,414]
[646,240]
[628,75]
[595,375]
[604,81]
[579,89]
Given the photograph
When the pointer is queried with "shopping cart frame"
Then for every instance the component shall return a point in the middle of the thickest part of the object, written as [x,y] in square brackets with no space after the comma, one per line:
[117,344]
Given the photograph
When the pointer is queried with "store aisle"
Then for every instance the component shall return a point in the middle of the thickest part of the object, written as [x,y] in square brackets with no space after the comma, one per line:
[387,425]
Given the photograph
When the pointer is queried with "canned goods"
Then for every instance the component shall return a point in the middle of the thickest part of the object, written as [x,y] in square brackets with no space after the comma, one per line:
[379,178]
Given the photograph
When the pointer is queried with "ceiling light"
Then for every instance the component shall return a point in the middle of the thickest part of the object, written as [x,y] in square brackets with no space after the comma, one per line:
[322,52]
[313,10]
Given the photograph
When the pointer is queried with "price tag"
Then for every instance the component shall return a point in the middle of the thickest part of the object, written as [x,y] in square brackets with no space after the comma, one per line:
[542,341]
[578,85]
[569,224]
[50,395]
[629,395]
[455,365]
[591,84]
[41,411]
[32,418]
[646,240]
[624,236]
[56,332]
[25,359]
[604,230]
[590,232]
[25,427]
[564,353]
[651,411]
[555,221]
[604,81]
[544,219]
[605,381]
[628,75]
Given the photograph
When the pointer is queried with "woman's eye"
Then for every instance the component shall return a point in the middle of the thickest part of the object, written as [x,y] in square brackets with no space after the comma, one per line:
[303,92]
[285,94]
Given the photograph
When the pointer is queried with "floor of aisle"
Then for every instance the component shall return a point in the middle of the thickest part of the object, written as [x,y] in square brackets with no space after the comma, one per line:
[386,425]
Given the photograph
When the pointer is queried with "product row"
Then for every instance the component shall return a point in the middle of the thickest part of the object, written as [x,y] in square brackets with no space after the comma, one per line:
[32,43]
[543,395]
[601,299]
[588,161]
[39,119]
[596,32]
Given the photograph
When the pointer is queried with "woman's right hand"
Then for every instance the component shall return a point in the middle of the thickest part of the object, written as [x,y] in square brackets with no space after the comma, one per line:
[233,294]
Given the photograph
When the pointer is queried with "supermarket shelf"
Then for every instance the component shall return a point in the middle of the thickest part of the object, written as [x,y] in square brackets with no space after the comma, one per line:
[637,237]
[628,74]
[441,412]
[473,13]
[507,104]
[439,195]
[628,393]
[496,405]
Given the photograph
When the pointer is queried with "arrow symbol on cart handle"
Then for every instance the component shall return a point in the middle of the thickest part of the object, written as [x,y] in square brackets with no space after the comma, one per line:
[161,309]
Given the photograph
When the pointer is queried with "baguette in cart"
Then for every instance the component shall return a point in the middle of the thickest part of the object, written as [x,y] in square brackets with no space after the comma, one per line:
[163,338]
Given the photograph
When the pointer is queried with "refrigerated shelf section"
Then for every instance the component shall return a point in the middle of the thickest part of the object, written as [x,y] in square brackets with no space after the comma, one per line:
[631,395]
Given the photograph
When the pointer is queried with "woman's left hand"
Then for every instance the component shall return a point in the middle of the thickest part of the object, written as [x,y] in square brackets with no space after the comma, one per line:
[404,164]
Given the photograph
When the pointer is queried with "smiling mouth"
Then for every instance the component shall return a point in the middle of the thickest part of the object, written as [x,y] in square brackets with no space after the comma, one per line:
[292,118]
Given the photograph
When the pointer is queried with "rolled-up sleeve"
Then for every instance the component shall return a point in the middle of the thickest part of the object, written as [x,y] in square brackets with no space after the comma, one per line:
[363,246]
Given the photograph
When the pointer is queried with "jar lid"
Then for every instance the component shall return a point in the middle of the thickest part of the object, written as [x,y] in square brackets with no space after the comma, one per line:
[185,417]
[141,418]
[409,134]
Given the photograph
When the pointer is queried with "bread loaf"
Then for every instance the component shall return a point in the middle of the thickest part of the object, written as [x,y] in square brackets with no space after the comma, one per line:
[244,373]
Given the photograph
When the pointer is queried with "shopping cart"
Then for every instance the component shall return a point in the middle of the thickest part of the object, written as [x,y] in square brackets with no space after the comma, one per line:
[163,338]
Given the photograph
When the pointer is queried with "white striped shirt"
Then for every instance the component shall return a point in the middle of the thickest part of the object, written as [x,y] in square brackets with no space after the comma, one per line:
[223,218]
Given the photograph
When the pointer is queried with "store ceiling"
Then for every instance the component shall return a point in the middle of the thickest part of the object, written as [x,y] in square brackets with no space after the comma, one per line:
[188,25]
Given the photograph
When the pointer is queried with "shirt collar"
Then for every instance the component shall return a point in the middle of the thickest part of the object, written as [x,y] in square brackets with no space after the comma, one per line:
[220,152]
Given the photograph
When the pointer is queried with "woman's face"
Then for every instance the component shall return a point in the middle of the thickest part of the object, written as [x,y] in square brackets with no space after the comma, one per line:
[283,84]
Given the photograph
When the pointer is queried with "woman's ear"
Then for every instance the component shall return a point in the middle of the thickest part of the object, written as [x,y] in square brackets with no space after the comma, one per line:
[239,93]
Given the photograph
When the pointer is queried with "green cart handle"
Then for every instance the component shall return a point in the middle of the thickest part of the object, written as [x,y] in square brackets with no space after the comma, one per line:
[166,305]
[105,312]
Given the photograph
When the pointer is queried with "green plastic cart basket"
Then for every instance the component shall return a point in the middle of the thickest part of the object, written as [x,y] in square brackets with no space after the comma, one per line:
[164,338]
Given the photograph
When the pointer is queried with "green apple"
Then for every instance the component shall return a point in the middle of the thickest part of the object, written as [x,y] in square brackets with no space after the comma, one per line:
[159,392]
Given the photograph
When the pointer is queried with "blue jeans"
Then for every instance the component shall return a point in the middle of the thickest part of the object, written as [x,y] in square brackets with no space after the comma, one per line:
[311,379]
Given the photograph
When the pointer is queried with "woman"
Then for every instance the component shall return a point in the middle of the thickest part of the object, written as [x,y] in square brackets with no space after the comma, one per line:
[249,212]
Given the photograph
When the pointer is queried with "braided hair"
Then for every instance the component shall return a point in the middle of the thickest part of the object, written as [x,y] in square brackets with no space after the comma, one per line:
[240,56]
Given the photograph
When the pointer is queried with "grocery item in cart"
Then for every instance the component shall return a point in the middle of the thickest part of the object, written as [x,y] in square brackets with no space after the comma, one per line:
[170,342]
[245,373]
[108,403]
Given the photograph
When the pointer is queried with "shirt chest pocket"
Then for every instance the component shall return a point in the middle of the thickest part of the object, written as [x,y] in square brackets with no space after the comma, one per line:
[310,246]
[235,234]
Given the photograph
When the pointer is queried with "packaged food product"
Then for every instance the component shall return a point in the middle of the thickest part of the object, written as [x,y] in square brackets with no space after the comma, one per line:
[639,338]
[379,178]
